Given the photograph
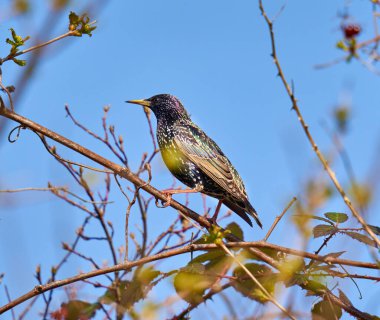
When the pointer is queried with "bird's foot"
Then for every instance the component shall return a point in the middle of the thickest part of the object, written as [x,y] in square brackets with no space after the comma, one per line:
[164,203]
[168,199]
[212,220]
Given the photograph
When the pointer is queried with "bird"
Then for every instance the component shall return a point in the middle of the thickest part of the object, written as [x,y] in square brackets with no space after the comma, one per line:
[195,159]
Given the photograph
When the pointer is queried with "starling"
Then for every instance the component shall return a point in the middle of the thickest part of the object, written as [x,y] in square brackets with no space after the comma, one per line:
[195,159]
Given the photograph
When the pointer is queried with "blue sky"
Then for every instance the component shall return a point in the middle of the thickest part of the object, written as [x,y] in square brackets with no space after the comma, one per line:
[214,56]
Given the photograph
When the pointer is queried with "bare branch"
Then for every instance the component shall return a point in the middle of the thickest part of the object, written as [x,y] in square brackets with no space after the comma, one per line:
[305,127]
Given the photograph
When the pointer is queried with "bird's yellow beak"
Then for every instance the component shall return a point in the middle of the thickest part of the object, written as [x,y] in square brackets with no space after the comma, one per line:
[144,103]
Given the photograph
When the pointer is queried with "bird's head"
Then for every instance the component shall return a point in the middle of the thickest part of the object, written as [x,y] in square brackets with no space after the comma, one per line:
[164,106]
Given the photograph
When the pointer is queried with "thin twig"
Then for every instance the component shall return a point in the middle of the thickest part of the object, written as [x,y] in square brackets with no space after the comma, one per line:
[9,300]
[305,127]
[54,189]
[278,218]
[257,282]
[193,247]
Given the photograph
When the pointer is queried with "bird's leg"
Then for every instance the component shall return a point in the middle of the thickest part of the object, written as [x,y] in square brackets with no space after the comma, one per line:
[170,192]
[215,216]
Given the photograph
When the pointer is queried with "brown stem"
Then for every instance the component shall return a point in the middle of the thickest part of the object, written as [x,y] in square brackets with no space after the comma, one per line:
[305,128]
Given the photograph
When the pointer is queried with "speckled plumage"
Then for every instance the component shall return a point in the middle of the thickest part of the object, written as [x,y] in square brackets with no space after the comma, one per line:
[195,159]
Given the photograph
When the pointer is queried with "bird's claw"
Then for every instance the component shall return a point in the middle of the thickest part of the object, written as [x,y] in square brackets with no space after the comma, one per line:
[212,220]
[168,200]
[165,203]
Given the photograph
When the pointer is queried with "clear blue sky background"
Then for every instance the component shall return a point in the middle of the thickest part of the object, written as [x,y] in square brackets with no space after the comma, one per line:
[215,56]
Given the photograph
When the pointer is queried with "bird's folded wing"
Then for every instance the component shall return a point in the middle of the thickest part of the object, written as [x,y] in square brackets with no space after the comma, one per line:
[205,154]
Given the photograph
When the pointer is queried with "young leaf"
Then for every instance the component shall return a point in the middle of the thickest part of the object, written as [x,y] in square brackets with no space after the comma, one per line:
[245,285]
[132,291]
[322,230]
[334,254]
[344,298]
[361,237]
[314,288]
[209,256]
[77,309]
[235,230]
[289,268]
[376,230]
[326,310]
[191,282]
[19,62]
[336,216]
[319,218]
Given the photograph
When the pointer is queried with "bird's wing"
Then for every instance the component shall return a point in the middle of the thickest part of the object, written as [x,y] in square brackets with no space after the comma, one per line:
[206,154]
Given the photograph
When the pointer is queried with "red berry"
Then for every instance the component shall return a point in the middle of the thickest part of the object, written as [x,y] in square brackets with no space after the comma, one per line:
[351,30]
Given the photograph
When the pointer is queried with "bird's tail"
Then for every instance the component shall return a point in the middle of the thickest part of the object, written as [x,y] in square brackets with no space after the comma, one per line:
[251,210]
[241,209]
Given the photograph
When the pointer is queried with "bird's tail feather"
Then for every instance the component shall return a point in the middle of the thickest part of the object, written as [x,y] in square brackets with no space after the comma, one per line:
[242,210]
[253,213]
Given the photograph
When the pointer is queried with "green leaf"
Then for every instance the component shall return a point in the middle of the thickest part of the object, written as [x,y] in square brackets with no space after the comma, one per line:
[21,63]
[334,254]
[235,230]
[73,18]
[322,230]
[192,281]
[314,288]
[344,298]
[132,291]
[361,237]
[79,25]
[336,216]
[326,310]
[376,230]
[209,256]
[214,235]
[319,218]
[247,287]
[289,268]
[77,309]
[341,45]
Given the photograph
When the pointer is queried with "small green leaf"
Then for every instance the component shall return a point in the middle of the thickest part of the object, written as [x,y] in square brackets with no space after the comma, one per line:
[191,282]
[21,63]
[209,256]
[322,230]
[77,309]
[361,237]
[336,216]
[314,288]
[12,43]
[73,18]
[376,230]
[235,230]
[344,298]
[319,218]
[326,310]
[341,45]
[334,254]
[247,287]
[132,291]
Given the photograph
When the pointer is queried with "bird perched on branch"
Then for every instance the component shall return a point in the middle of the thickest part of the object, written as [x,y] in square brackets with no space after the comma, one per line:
[195,159]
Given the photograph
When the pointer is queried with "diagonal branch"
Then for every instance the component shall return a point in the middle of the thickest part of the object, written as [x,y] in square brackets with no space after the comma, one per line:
[305,128]
[139,183]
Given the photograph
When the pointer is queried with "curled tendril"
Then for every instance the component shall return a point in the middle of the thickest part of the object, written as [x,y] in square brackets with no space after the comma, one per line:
[18,128]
